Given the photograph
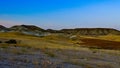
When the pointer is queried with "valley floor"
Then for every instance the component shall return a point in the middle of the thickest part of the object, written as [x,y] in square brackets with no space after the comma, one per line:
[54,52]
[25,57]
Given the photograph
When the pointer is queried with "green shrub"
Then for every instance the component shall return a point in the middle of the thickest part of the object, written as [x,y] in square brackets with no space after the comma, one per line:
[50,54]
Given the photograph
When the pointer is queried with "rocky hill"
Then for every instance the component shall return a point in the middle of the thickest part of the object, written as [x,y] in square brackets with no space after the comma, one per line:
[37,31]
[26,28]
[3,29]
[91,31]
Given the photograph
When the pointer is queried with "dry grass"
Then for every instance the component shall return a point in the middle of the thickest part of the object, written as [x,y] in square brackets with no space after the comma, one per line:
[74,62]
[56,46]
[110,37]
[59,42]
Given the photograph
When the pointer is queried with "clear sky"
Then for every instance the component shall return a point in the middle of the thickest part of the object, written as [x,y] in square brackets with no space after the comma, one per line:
[58,14]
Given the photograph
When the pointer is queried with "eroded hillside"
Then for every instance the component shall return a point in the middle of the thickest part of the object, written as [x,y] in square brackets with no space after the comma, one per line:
[92,31]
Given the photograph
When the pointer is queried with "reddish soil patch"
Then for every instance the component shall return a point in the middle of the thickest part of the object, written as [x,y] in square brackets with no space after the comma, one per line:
[102,44]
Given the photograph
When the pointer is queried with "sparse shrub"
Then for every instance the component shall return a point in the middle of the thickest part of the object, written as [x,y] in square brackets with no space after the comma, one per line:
[11,41]
[24,50]
[35,62]
[4,46]
[58,50]
[1,57]
[11,59]
[50,54]
[17,52]
[0,41]
[94,52]
[46,63]
[25,60]
[88,66]
[74,62]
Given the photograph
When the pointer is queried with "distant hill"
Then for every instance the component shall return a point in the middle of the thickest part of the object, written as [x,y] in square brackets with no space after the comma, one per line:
[26,28]
[37,31]
[53,31]
[91,31]
[3,28]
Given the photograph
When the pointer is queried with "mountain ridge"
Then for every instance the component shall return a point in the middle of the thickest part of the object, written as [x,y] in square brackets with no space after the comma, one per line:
[35,30]
[92,31]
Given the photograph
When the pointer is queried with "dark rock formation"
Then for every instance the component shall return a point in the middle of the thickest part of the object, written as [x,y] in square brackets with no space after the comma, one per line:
[0,41]
[11,41]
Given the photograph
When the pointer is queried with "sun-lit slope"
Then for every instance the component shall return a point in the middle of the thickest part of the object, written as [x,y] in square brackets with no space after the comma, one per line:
[53,42]
[57,41]
[13,34]
[110,37]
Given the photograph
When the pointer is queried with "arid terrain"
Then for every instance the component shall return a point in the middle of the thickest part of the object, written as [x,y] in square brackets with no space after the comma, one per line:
[59,51]
[59,33]
[28,46]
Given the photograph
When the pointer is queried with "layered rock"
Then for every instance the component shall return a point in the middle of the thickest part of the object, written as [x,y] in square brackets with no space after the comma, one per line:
[37,31]
[92,31]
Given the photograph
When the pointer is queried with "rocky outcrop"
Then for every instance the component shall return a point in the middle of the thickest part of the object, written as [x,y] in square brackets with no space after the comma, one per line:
[92,31]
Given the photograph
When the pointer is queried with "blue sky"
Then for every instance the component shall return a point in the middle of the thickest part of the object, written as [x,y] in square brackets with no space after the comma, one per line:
[58,14]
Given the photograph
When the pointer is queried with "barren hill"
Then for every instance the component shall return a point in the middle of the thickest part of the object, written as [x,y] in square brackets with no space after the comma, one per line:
[3,28]
[32,29]
[92,31]
[26,28]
